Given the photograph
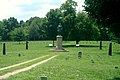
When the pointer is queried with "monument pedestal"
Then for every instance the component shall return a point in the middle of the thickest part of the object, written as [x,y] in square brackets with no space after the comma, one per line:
[59,42]
[59,47]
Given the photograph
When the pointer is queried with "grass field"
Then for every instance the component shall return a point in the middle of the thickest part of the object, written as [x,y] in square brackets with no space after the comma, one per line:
[95,64]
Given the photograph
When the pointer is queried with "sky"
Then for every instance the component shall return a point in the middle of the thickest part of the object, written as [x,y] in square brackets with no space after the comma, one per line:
[25,9]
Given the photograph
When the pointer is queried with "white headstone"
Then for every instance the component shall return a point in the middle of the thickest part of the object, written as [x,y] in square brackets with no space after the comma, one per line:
[50,45]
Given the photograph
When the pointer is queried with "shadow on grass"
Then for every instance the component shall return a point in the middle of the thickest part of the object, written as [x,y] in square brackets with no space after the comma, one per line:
[66,46]
[117,52]
[116,78]
[80,46]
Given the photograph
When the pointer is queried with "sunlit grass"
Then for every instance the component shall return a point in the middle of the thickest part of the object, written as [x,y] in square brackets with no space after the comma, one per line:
[105,67]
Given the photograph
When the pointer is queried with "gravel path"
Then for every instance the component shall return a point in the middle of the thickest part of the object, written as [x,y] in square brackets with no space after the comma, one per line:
[21,63]
[25,69]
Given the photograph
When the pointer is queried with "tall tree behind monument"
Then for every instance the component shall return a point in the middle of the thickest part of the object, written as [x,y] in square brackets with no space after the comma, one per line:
[53,21]
[69,14]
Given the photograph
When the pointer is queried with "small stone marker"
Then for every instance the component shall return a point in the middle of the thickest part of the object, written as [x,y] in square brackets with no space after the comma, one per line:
[110,49]
[67,57]
[99,57]
[19,54]
[50,45]
[4,49]
[26,44]
[77,45]
[44,78]
[79,55]
[92,60]
[116,67]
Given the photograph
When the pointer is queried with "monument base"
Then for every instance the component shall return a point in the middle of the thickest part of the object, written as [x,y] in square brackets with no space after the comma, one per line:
[59,45]
[60,50]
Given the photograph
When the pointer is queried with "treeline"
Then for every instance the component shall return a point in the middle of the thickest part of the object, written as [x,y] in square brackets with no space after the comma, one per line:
[75,26]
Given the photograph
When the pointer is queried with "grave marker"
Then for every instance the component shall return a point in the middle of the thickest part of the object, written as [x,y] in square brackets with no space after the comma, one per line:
[110,49]
[77,45]
[79,55]
[50,45]
[67,57]
[92,60]
[100,45]
[19,54]
[27,44]
[44,78]
[4,49]
[116,67]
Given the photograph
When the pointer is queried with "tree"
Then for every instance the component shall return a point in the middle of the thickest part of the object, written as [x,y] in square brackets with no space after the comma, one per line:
[69,14]
[22,23]
[5,33]
[53,20]
[34,29]
[12,23]
[43,28]
[17,34]
[85,29]
[1,30]
[8,26]
[105,12]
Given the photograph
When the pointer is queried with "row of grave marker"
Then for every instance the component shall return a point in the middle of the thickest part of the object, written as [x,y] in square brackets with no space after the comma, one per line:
[77,45]
[4,47]
[110,47]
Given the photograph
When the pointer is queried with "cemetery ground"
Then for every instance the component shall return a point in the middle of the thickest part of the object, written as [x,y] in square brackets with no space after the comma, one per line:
[95,64]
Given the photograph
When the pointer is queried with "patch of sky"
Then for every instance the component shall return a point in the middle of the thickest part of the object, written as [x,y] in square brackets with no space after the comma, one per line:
[55,2]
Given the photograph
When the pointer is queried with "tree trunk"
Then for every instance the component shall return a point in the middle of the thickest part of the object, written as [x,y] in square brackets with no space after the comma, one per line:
[53,43]
[110,49]
[77,42]
[100,44]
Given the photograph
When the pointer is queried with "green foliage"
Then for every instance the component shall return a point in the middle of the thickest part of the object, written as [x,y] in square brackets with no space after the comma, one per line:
[12,23]
[53,22]
[34,30]
[8,26]
[37,28]
[68,10]
[86,28]
[18,34]
[43,29]
[1,30]
[105,12]
[76,27]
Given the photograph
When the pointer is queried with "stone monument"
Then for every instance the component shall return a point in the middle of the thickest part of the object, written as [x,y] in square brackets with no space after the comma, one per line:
[59,47]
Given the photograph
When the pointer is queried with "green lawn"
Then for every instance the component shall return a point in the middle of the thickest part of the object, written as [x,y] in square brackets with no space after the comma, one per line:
[13,49]
[59,68]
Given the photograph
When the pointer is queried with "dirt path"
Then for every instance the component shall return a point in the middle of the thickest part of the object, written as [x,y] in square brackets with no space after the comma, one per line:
[26,68]
[21,63]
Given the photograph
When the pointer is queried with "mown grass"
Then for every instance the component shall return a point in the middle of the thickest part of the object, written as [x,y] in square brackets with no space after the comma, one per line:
[13,49]
[105,67]
[24,65]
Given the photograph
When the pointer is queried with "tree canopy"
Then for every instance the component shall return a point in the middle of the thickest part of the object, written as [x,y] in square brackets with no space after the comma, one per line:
[75,26]
[68,10]
[105,12]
